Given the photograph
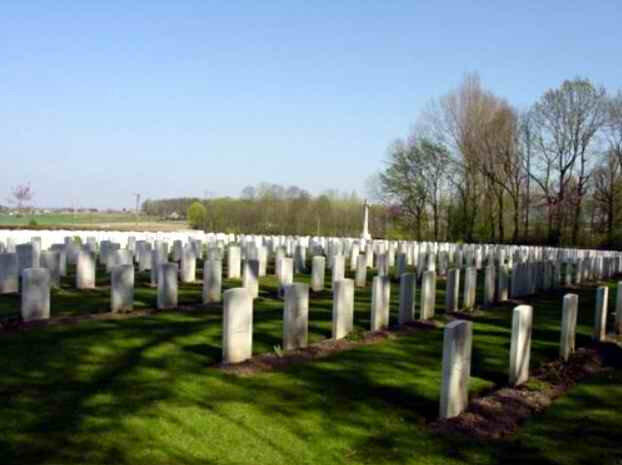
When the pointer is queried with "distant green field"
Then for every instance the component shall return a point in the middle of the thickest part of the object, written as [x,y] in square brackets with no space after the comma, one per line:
[100,219]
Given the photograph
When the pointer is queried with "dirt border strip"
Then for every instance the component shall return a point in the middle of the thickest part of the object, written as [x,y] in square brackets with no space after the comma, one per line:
[14,325]
[272,361]
[501,413]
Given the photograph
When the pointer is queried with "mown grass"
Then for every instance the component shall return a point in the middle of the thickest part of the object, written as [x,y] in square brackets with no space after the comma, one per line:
[77,219]
[144,390]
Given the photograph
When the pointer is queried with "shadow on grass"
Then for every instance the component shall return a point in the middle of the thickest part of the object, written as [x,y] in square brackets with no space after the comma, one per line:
[142,390]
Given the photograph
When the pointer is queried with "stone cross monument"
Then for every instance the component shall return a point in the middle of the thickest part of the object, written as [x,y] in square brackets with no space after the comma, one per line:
[365,234]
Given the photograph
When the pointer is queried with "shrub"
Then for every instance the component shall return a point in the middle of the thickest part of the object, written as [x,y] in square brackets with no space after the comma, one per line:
[197,214]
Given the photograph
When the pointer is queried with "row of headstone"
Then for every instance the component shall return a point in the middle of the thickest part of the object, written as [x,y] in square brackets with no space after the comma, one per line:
[238,315]
[387,254]
[434,256]
[458,340]
[527,277]
[494,289]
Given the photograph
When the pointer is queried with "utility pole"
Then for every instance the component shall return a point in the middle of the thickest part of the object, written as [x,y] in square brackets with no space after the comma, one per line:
[137,205]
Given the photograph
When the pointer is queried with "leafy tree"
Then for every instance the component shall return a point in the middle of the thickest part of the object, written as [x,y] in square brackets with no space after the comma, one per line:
[414,177]
[197,215]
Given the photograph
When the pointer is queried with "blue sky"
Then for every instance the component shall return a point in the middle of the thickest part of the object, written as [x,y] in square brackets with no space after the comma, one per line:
[99,100]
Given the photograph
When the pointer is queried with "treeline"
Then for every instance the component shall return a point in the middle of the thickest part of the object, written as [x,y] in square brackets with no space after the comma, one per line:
[274,209]
[475,168]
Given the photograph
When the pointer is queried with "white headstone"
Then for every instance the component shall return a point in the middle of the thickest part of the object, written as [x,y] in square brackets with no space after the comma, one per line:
[520,347]
[457,347]
[237,335]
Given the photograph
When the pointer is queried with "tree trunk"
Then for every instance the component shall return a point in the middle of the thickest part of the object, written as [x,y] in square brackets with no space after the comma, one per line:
[527,194]
[527,207]
[500,218]
[576,222]
[551,213]
[493,224]
[449,223]
[610,222]
[436,215]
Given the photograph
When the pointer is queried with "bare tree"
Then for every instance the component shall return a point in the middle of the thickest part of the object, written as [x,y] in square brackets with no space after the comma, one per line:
[608,191]
[435,161]
[566,121]
[457,121]
[501,160]
[527,142]
[613,126]
[20,196]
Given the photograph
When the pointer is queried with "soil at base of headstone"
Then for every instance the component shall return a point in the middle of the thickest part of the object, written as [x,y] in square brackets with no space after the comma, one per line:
[500,413]
[15,324]
[277,360]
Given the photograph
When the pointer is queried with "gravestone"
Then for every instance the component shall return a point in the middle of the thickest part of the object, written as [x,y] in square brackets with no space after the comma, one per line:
[237,334]
[338,271]
[144,257]
[212,281]
[520,346]
[9,277]
[178,248]
[380,303]
[262,256]
[457,348]
[470,287]
[167,286]
[296,316]
[234,263]
[35,298]
[250,277]
[27,257]
[400,264]
[50,260]
[383,264]
[361,272]
[188,272]
[85,270]
[369,255]
[428,295]
[286,274]
[318,271]
[300,259]
[452,292]
[122,288]
[156,260]
[600,314]
[502,283]
[354,256]
[489,285]
[343,308]
[569,325]
[408,288]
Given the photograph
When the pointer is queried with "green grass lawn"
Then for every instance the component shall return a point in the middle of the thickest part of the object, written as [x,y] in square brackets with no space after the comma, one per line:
[144,390]
[582,427]
[82,218]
